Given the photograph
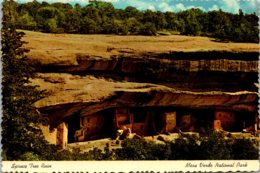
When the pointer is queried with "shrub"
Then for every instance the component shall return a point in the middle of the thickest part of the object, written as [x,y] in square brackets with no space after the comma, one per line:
[214,147]
[139,149]
[185,148]
[29,156]
[147,29]
[246,149]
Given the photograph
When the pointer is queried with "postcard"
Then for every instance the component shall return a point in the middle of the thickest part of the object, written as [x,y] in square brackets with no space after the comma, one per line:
[130,86]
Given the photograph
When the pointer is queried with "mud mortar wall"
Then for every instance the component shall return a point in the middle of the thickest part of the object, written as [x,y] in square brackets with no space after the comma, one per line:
[241,102]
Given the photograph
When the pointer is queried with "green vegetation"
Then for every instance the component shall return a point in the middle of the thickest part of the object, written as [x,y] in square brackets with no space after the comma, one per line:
[102,18]
[21,138]
[214,146]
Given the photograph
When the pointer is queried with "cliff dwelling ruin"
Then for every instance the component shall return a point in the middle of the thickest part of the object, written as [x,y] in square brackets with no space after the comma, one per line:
[92,95]
[149,121]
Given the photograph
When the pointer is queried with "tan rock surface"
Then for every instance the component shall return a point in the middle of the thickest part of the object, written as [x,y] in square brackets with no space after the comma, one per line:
[68,94]
[67,88]
[63,48]
[62,88]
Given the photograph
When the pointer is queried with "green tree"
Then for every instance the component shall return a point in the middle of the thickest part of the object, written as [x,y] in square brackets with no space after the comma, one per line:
[130,12]
[47,12]
[20,135]
[245,149]
[133,26]
[171,20]
[30,7]
[47,18]
[102,17]
[88,26]
[148,29]
[50,25]
[73,19]
[223,27]
[214,147]
[148,16]
[26,22]
[192,24]
[160,21]
[140,149]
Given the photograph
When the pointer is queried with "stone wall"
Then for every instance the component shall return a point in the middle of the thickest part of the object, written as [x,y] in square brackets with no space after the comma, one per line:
[62,135]
[132,65]
[187,122]
[123,118]
[226,118]
[139,128]
[217,125]
[93,124]
[170,121]
[50,136]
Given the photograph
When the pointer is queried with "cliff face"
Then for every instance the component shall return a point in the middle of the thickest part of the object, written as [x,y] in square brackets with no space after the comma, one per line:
[105,72]
[69,94]
[202,71]
[158,63]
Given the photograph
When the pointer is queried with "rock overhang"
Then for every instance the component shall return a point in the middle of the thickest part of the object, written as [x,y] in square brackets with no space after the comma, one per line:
[84,76]
[91,94]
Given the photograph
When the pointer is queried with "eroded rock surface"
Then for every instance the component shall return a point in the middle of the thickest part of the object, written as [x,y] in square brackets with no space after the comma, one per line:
[68,94]
[98,72]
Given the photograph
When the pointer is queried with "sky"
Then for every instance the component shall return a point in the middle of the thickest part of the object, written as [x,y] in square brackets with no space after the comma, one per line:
[232,6]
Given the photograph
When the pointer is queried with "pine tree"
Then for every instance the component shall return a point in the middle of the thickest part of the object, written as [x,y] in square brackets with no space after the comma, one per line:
[20,135]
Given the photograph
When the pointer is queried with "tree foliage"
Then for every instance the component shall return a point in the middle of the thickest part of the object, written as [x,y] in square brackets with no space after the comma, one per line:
[20,135]
[214,146]
[21,138]
[102,18]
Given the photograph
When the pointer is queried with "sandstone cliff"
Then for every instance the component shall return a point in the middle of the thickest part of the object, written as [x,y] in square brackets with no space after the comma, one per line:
[95,72]
[68,94]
